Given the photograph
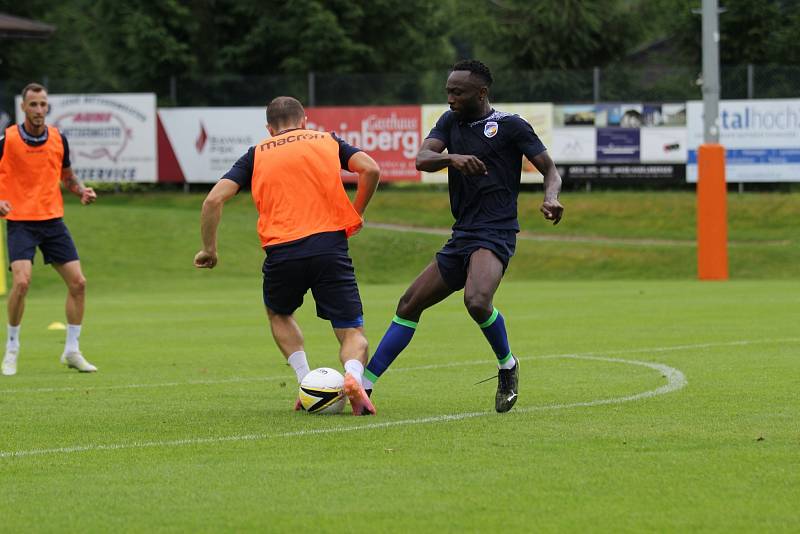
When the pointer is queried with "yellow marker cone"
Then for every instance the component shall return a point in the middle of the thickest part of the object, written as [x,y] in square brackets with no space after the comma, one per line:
[57,326]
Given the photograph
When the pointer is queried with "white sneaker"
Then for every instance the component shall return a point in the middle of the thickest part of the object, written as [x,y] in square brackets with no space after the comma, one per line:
[75,360]
[10,362]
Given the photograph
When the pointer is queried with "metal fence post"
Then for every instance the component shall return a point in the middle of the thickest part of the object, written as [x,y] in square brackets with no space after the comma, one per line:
[312,89]
[596,83]
[173,90]
[750,80]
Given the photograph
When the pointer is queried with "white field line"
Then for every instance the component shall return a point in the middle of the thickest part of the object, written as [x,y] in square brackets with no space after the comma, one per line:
[529,236]
[485,361]
[232,380]
[675,381]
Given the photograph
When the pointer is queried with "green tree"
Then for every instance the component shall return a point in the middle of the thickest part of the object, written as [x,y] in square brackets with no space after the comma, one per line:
[758,32]
[102,45]
[337,36]
[548,34]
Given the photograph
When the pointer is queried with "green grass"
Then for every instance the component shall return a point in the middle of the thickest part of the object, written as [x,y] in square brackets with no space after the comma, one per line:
[717,455]
[654,215]
[150,237]
[187,426]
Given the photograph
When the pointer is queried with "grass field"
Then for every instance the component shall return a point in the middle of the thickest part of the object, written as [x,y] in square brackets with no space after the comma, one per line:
[649,402]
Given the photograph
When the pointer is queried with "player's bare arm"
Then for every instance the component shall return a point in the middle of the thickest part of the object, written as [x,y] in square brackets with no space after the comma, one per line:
[369,174]
[210,216]
[76,187]
[431,159]
[5,208]
[551,208]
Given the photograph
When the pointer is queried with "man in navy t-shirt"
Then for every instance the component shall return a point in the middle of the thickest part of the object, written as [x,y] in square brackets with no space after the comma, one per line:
[484,161]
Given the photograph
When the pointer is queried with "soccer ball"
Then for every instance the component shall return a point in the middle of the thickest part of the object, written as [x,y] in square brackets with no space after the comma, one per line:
[322,391]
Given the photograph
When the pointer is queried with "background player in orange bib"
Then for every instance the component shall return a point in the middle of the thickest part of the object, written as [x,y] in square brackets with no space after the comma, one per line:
[34,160]
[304,220]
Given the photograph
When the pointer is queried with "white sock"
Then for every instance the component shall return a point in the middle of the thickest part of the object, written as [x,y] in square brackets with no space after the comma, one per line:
[512,361]
[300,365]
[355,368]
[367,383]
[73,334]
[12,341]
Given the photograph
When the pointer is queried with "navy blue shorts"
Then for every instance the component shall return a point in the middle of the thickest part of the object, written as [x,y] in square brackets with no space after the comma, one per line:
[330,278]
[453,259]
[51,236]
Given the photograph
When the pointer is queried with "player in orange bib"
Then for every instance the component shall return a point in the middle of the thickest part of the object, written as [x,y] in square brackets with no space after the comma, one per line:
[304,221]
[34,161]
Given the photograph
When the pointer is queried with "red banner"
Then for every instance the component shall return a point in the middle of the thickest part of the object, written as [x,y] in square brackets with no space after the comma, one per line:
[390,134]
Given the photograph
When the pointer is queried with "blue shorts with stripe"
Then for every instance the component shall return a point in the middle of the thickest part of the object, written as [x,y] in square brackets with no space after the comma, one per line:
[331,279]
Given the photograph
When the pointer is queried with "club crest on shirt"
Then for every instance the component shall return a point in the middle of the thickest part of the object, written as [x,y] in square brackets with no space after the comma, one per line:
[490,129]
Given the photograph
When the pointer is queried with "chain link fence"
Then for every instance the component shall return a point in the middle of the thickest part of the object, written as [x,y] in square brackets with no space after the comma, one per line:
[610,84]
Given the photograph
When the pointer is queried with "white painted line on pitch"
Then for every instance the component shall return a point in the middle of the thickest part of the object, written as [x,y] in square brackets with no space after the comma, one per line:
[87,387]
[235,380]
[675,381]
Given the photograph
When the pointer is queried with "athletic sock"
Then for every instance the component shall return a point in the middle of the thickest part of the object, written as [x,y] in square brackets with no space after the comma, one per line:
[299,363]
[355,368]
[494,328]
[73,334]
[367,383]
[396,338]
[12,340]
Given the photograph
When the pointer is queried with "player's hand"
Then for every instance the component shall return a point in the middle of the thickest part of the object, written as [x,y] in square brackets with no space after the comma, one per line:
[205,260]
[468,165]
[552,210]
[5,207]
[88,196]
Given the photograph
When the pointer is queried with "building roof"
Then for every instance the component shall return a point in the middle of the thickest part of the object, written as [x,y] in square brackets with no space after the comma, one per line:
[12,27]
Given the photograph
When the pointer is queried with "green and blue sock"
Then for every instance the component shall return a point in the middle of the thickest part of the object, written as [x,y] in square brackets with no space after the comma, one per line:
[396,338]
[494,328]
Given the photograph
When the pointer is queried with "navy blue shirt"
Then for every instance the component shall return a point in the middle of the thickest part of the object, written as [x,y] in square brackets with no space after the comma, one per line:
[313,245]
[499,140]
[37,141]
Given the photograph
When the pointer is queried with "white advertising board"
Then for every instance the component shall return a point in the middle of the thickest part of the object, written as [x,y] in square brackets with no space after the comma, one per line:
[208,141]
[663,145]
[111,137]
[761,139]
[574,144]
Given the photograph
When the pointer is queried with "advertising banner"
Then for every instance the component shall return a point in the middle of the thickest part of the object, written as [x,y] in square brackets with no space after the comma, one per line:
[390,134]
[666,115]
[573,144]
[539,115]
[112,137]
[618,145]
[667,145]
[761,139]
[574,115]
[204,143]
[431,114]
[637,172]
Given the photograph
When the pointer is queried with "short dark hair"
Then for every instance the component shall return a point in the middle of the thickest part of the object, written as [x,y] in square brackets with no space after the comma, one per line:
[477,68]
[33,87]
[285,111]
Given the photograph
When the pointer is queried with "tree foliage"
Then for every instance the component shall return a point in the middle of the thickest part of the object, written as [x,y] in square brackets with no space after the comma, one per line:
[553,34]
[114,45]
[759,32]
[135,44]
